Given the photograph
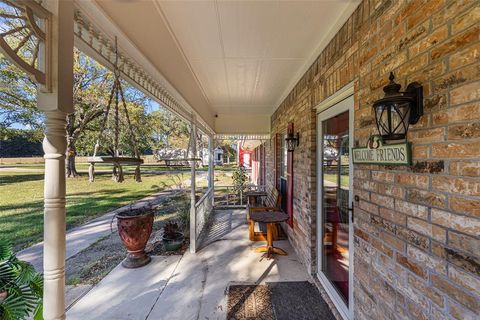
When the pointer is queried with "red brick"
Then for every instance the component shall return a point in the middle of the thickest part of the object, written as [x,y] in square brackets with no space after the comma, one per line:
[426,290]
[463,242]
[411,209]
[465,168]
[466,93]
[463,113]
[461,313]
[382,176]
[456,222]
[412,266]
[455,293]
[455,150]
[427,136]
[427,229]
[382,201]
[428,42]
[412,180]
[431,199]
[467,187]
[464,131]
[456,78]
[429,261]
[393,242]
[469,36]
[470,18]
[464,57]
[393,216]
[466,206]
[464,280]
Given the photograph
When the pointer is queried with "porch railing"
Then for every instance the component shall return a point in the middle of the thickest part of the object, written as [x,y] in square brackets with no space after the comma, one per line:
[203,210]
[227,197]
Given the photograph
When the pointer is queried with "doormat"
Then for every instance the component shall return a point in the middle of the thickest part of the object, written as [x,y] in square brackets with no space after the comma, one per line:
[277,301]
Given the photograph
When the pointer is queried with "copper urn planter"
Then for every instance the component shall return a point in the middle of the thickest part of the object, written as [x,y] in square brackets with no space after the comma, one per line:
[134,228]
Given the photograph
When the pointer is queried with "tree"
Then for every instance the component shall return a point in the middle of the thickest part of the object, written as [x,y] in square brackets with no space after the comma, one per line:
[17,100]
[168,130]
[91,87]
[20,143]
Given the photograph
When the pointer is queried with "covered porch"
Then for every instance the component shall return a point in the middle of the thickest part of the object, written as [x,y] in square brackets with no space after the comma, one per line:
[380,239]
[226,254]
[192,286]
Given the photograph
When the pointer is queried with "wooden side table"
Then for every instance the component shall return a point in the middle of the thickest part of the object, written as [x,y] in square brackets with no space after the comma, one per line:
[270,218]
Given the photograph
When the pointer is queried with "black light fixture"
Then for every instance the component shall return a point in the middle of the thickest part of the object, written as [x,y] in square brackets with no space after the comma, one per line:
[292,139]
[397,110]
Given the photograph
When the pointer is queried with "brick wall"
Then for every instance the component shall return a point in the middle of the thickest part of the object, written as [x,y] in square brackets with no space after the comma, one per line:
[417,229]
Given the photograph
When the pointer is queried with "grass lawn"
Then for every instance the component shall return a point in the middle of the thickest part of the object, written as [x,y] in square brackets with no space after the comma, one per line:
[344,180]
[21,200]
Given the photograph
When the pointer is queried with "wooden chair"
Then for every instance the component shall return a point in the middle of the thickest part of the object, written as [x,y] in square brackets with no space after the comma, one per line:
[273,202]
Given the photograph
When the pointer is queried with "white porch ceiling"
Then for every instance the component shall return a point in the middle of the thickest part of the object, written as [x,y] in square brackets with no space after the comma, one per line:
[230,58]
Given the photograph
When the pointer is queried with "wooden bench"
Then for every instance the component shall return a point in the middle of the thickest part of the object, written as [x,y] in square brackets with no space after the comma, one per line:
[273,202]
[117,163]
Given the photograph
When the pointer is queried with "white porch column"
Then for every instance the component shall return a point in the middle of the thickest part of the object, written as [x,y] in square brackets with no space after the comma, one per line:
[54,146]
[56,104]
[193,216]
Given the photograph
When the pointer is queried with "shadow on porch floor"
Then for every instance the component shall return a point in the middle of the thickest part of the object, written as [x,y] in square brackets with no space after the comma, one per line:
[192,286]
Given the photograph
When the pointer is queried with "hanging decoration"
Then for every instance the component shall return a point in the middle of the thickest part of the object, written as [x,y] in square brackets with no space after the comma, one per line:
[115,159]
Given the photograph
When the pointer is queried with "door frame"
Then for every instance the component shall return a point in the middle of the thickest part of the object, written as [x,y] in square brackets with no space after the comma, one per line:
[336,105]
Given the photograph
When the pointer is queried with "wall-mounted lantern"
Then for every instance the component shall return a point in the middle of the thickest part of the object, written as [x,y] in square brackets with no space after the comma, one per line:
[397,110]
[292,139]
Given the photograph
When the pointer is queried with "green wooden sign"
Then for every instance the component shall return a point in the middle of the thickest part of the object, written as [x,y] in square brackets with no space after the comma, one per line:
[378,153]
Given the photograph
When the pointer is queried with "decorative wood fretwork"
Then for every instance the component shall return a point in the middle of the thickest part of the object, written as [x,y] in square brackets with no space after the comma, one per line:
[25,37]
[262,137]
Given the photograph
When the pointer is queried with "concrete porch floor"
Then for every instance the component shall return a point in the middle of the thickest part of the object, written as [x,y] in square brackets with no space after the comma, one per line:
[192,286]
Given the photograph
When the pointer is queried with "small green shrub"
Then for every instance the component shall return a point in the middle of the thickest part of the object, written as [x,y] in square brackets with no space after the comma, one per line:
[240,179]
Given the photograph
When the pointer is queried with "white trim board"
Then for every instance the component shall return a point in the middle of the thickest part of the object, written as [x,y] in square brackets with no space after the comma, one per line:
[342,94]
[341,104]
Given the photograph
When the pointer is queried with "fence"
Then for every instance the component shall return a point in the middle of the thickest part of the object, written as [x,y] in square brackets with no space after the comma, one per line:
[39,160]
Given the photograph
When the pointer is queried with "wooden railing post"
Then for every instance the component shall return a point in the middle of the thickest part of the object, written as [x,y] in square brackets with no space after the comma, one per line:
[193,214]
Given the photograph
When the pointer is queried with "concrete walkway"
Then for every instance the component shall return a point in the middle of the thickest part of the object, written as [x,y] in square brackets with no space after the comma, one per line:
[82,237]
[193,286]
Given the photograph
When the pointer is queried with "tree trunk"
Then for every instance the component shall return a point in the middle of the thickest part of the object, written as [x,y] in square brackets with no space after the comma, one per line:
[71,154]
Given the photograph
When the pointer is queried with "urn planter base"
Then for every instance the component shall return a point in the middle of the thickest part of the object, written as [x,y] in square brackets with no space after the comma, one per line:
[136,260]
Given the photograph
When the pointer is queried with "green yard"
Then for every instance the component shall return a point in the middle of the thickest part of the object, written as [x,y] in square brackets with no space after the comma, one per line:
[21,200]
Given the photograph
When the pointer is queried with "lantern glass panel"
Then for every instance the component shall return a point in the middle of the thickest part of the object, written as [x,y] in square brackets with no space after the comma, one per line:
[291,143]
[392,119]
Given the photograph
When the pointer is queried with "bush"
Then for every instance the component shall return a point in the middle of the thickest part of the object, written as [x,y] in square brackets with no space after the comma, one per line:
[240,179]
[21,287]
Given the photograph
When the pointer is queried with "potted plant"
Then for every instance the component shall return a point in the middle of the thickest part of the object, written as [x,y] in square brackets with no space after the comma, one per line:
[21,287]
[134,227]
[172,237]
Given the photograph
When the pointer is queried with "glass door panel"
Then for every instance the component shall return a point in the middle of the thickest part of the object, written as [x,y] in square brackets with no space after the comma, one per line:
[335,186]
